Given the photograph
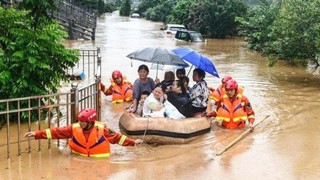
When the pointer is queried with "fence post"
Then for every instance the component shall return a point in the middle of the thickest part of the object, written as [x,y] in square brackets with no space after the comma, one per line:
[93,36]
[98,86]
[70,29]
[98,97]
[74,101]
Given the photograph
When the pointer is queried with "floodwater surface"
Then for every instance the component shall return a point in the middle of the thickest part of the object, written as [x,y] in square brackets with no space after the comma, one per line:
[284,146]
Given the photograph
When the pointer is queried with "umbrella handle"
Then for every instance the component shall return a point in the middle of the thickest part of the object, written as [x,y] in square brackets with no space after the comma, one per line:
[157,70]
[190,70]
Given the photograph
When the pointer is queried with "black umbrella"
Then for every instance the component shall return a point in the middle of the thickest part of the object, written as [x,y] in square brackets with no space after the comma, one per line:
[158,56]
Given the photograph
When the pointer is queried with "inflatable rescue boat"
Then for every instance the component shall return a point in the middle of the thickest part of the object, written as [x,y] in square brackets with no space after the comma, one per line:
[163,130]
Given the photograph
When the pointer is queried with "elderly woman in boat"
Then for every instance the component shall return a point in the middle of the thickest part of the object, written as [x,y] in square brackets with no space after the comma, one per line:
[153,106]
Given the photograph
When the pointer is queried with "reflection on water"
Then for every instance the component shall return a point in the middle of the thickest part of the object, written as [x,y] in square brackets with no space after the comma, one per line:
[285,146]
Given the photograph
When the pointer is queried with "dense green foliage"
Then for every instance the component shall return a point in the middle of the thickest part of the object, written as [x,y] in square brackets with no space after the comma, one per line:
[181,12]
[160,12]
[146,4]
[288,31]
[125,8]
[32,58]
[257,25]
[216,18]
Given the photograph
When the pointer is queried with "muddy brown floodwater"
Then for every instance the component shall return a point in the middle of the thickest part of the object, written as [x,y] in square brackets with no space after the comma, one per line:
[285,146]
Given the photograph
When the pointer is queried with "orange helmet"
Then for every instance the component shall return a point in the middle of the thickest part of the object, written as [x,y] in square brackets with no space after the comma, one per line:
[116,74]
[225,79]
[231,84]
[87,115]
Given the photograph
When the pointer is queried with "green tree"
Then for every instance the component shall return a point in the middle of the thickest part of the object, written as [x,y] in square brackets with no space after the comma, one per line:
[257,24]
[110,7]
[180,12]
[146,4]
[295,34]
[216,17]
[289,30]
[125,8]
[32,57]
[161,11]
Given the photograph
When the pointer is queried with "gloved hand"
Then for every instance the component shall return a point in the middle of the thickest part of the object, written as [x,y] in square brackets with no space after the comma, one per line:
[102,87]
[251,121]
[138,141]
[218,123]
[211,89]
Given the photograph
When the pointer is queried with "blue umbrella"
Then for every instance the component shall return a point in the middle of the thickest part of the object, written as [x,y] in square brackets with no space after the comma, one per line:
[196,59]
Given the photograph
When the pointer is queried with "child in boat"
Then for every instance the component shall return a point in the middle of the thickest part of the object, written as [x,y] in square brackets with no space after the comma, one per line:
[180,73]
[143,97]
[185,81]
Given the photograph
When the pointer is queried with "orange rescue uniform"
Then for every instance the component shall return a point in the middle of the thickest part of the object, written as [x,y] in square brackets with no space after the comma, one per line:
[92,143]
[120,93]
[221,91]
[234,112]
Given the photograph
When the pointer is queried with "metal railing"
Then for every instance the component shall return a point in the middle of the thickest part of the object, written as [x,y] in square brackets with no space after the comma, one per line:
[89,64]
[60,109]
[79,22]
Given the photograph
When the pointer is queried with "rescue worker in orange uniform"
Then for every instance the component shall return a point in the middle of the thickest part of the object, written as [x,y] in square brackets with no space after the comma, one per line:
[120,89]
[216,94]
[220,91]
[233,108]
[88,137]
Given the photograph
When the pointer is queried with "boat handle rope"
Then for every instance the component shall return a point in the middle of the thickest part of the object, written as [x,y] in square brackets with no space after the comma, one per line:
[145,131]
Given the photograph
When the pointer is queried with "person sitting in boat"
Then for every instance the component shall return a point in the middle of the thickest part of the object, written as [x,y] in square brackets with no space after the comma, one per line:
[199,93]
[153,106]
[233,109]
[156,105]
[185,81]
[168,80]
[87,137]
[143,83]
[120,88]
[180,98]
[143,97]
[180,72]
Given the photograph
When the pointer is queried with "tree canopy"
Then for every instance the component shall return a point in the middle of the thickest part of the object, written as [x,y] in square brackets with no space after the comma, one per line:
[289,30]
[32,57]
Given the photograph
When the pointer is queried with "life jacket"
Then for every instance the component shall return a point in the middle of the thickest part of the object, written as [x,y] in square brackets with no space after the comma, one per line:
[97,145]
[123,93]
[215,95]
[232,114]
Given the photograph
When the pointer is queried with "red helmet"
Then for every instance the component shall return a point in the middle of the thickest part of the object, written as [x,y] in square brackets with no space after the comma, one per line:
[231,84]
[225,79]
[87,115]
[116,74]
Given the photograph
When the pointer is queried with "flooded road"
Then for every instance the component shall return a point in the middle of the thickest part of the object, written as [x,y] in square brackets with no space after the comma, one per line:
[285,146]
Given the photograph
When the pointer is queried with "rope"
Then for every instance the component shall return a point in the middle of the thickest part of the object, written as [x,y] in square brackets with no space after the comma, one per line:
[144,134]
[145,131]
